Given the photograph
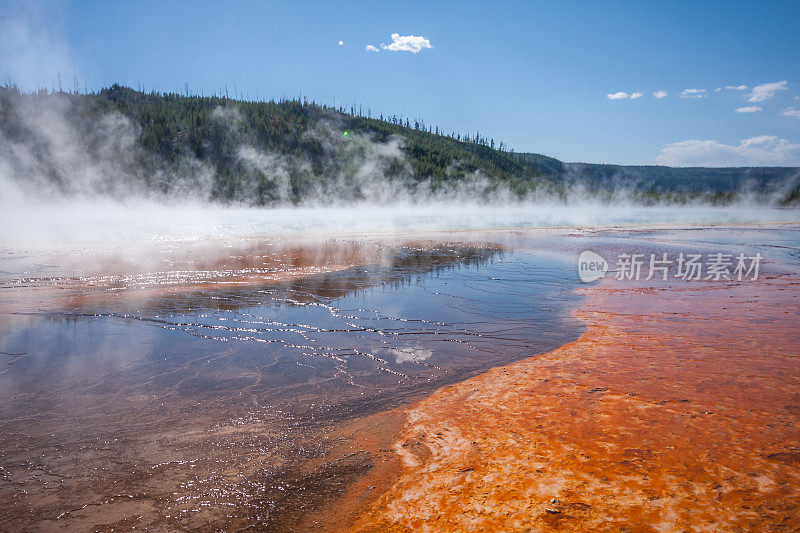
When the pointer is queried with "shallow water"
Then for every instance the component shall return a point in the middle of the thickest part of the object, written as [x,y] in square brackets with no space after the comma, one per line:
[189,374]
[172,394]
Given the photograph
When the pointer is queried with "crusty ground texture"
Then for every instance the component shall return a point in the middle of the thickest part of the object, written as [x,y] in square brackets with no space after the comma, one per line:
[678,409]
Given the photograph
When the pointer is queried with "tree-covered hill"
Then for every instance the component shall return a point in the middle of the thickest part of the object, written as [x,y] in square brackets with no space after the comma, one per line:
[121,141]
[689,181]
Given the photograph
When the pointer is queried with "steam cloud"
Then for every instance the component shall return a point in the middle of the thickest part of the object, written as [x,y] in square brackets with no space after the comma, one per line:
[54,148]
[59,152]
[70,174]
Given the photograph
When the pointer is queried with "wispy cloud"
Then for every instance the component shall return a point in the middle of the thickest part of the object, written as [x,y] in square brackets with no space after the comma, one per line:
[658,95]
[693,93]
[407,43]
[33,46]
[371,48]
[791,112]
[763,150]
[736,87]
[621,95]
[749,109]
[765,91]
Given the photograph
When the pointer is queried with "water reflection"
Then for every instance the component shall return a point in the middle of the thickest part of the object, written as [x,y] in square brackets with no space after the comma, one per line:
[194,398]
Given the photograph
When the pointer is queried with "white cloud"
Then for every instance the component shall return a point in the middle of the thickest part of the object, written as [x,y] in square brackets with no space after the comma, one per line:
[749,109]
[765,91]
[763,150]
[736,87]
[791,112]
[370,48]
[407,43]
[341,43]
[693,93]
[659,95]
[621,95]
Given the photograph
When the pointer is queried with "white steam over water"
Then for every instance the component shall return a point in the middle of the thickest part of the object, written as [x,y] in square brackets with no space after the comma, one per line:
[65,188]
[81,181]
[61,226]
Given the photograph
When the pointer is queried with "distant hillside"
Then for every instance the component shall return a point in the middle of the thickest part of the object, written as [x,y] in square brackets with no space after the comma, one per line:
[663,180]
[125,142]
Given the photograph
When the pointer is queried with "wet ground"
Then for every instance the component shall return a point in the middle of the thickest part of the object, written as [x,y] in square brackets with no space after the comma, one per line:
[678,409]
[199,387]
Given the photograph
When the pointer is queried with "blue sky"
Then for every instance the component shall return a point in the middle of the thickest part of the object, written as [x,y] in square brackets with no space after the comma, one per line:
[536,75]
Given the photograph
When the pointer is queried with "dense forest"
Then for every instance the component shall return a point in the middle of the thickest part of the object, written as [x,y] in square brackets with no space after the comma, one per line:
[123,141]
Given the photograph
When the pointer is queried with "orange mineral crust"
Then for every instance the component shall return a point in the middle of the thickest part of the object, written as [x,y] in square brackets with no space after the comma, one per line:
[678,409]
